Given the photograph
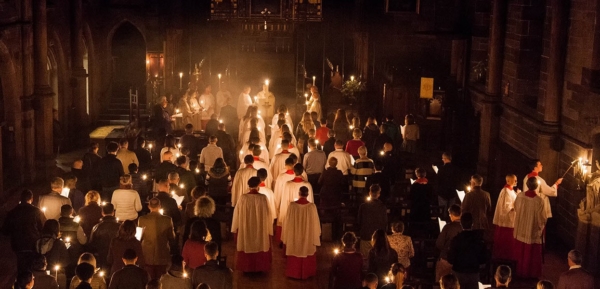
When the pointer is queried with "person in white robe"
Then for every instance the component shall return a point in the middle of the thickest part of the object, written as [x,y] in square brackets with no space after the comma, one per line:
[240,181]
[263,175]
[314,104]
[196,118]
[504,219]
[301,235]
[282,109]
[207,104]
[253,223]
[288,193]
[222,96]
[266,102]
[244,101]
[260,163]
[290,147]
[543,190]
[275,143]
[277,165]
[184,107]
[248,148]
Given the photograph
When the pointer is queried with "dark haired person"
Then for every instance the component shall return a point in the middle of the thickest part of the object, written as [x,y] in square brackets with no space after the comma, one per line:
[103,233]
[110,169]
[467,252]
[542,190]
[124,241]
[130,276]
[346,266]
[478,203]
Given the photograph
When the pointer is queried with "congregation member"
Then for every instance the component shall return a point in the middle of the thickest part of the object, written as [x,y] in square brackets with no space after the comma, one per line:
[530,221]
[381,256]
[544,284]
[452,228]
[85,273]
[369,135]
[329,144]
[91,213]
[96,281]
[301,232]
[314,163]
[157,237]
[212,125]
[124,241]
[397,275]
[466,253]
[402,244]
[210,154]
[227,144]
[143,154]
[361,170]
[54,249]
[447,182]
[190,141]
[110,169]
[139,182]
[212,273]
[503,276]
[186,177]
[380,140]
[50,203]
[126,156]
[372,216]
[333,185]
[477,202]
[204,211]
[126,201]
[42,279]
[346,266]
[91,160]
[75,195]
[170,146]
[228,115]
[345,160]
[542,190]
[176,277]
[193,249]
[504,220]
[103,233]
[83,180]
[410,134]
[355,143]
[421,195]
[240,182]
[371,281]
[218,181]
[449,281]
[341,126]
[576,277]
[162,170]
[252,223]
[167,203]
[130,276]
[322,132]
[72,233]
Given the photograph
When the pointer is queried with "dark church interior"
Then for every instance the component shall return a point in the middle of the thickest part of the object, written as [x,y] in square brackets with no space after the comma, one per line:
[496,85]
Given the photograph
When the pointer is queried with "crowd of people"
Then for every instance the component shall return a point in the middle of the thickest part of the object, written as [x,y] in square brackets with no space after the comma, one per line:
[128,220]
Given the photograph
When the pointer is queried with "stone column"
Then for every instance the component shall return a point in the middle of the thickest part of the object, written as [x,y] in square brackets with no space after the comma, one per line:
[496,45]
[27,152]
[78,73]
[556,56]
[42,101]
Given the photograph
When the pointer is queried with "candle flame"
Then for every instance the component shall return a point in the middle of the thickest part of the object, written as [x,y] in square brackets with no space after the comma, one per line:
[44,209]
[57,267]
[336,251]
[77,219]
[381,152]
[197,171]
[180,74]
[68,239]
[468,188]
[368,198]
[182,186]
[144,177]
[161,211]
[101,273]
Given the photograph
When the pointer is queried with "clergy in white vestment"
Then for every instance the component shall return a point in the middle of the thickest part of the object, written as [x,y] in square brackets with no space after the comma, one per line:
[289,192]
[207,104]
[314,104]
[277,165]
[240,181]
[261,163]
[222,96]
[300,235]
[253,223]
[266,102]
[195,107]
[244,101]
[251,129]
[504,220]
[345,160]
[543,190]
[282,109]
[530,221]
[262,174]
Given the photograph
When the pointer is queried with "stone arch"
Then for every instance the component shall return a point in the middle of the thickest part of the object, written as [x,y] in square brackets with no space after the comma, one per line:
[120,23]
[127,58]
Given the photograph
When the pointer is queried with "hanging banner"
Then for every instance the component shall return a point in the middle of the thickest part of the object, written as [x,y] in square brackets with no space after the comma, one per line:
[426,87]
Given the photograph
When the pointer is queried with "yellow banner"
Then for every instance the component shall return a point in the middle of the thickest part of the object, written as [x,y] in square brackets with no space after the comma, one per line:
[426,87]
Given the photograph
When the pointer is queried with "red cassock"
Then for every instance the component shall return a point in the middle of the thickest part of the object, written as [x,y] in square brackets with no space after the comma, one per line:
[504,219]
[252,221]
[300,234]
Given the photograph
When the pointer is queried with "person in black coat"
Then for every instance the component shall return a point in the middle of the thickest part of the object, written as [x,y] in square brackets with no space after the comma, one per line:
[421,194]
[166,167]
[467,251]
[168,204]
[329,145]
[379,141]
[228,115]
[333,185]
[110,170]
[378,178]
[103,233]
[213,274]
[227,144]
[91,160]
[448,178]
[144,156]
[131,276]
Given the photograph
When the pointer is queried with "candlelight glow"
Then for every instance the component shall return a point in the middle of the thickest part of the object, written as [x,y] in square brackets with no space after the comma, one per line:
[144,177]
[351,127]
[368,198]
[150,146]
[77,219]
[267,82]
[101,273]
[57,267]
[178,145]
[173,193]
[68,239]
[381,152]
[387,279]
[197,171]
[241,152]
[468,188]
[103,203]
[220,121]
[336,251]
[219,76]
[44,209]
[317,141]
[161,211]
[182,186]
[352,78]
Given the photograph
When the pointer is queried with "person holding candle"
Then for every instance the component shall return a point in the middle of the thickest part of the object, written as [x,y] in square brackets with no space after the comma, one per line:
[103,233]
[341,126]
[372,216]
[193,249]
[42,279]
[265,101]
[477,202]
[96,281]
[185,108]
[161,117]
[543,190]
[51,202]
[222,95]
[346,266]
[244,101]
[396,277]
[176,276]
[130,276]
[207,105]
[91,213]
[125,240]
[54,249]
[213,273]
[381,256]
[157,238]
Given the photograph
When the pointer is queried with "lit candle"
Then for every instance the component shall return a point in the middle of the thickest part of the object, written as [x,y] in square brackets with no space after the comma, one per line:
[173,193]
[256,99]
[180,80]
[178,145]
[241,152]
[68,240]
[101,273]
[185,275]
[352,78]
[150,146]
[103,203]
[144,177]
[381,152]
[177,155]
[197,171]
[306,103]
[177,110]
[468,188]
[182,186]
[306,96]
[56,268]
[387,279]
[77,219]
[219,76]
[117,219]
[351,127]
[368,198]
[317,141]
[161,211]
[220,121]
[336,251]
[44,209]
[314,80]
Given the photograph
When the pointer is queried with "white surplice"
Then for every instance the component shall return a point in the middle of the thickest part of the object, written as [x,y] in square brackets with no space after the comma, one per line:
[288,121]
[504,216]
[530,219]
[244,101]
[207,101]
[289,194]
[301,230]
[277,165]
[253,223]
[292,149]
[240,183]
[543,191]
[271,198]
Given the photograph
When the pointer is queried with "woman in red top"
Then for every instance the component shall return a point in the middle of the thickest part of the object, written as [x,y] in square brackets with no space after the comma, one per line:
[346,267]
[193,250]
[353,144]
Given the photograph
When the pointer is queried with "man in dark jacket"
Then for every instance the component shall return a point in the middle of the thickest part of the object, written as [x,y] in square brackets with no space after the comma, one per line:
[131,276]
[103,233]
[467,251]
[110,170]
[24,226]
[165,167]
[442,267]
[168,204]
[215,275]
[144,156]
[372,216]
[83,180]
[329,145]
[226,143]
[191,142]
[91,160]
[447,182]
[187,179]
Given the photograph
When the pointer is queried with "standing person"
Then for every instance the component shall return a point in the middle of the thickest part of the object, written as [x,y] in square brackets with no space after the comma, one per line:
[447,182]
[167,203]
[398,274]
[410,134]
[83,180]
[576,277]
[467,251]
[372,216]
[252,221]
[218,182]
[193,249]
[380,140]
[204,211]
[288,193]
[345,160]
[103,233]
[277,165]
[210,154]
[119,245]
[329,144]
[227,144]
[244,101]
[333,185]
[346,266]
[322,132]
[314,162]
[381,256]
[126,156]
[91,160]
[54,249]
[42,279]
[216,275]
[304,126]
[442,266]
[166,167]
[130,276]
[126,201]
[161,117]
[530,221]
[402,244]
[478,203]
[187,179]
[228,116]
[169,145]
[502,276]
[222,95]
[24,226]
[91,213]
[301,235]
[314,104]
[369,134]
[50,203]
[263,189]
[391,129]
[190,141]
[176,277]
[207,105]
[363,168]
[449,281]
[143,154]
[504,220]
[96,281]
[543,190]
[212,125]
[111,170]
[341,126]
[355,143]
[156,239]
[421,195]
[76,196]
[240,182]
